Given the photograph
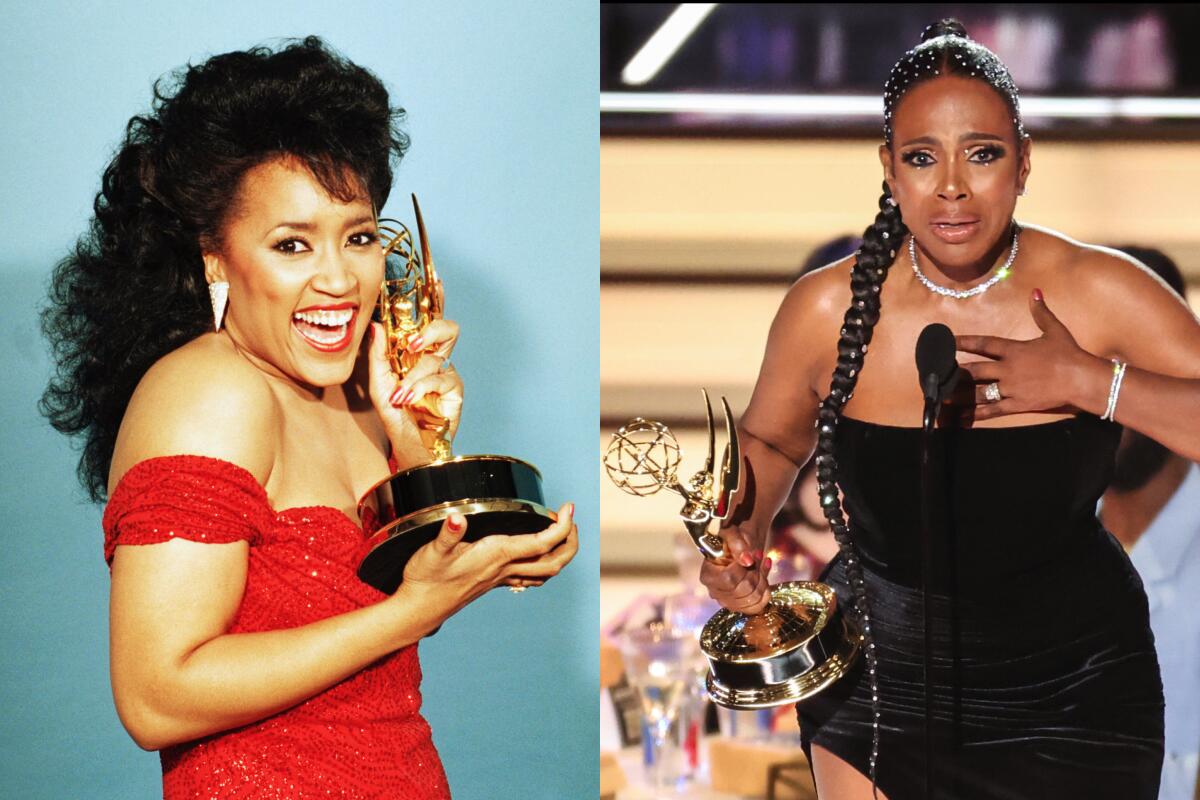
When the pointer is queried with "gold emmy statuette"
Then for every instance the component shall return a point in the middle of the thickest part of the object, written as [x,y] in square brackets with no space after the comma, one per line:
[800,643]
[498,494]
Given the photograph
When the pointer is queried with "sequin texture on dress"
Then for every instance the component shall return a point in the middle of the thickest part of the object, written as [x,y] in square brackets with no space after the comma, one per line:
[361,738]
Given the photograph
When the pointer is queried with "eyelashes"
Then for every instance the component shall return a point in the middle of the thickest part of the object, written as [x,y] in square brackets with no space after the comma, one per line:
[294,245]
[987,154]
[917,158]
[981,155]
[291,246]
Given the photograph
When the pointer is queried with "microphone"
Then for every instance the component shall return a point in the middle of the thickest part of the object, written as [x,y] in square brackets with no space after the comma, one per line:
[937,369]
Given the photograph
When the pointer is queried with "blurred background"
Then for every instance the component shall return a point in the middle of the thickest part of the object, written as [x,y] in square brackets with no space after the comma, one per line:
[738,145]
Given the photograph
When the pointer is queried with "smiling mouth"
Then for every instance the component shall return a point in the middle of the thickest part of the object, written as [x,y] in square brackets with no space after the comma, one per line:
[327,330]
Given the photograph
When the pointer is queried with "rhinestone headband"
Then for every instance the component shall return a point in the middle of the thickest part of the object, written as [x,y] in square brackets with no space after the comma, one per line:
[967,58]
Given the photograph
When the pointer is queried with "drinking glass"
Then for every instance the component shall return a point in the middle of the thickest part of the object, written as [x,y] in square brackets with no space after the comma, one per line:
[664,665]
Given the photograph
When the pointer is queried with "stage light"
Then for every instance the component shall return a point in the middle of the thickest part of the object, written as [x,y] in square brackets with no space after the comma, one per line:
[846,105]
[665,42]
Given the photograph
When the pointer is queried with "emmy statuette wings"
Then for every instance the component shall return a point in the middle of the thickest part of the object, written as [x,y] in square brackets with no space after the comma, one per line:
[800,643]
[499,494]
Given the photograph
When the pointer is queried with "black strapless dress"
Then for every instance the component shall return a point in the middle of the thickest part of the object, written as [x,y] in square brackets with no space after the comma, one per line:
[1045,679]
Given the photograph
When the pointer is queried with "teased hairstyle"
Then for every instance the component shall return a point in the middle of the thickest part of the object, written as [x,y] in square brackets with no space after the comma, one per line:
[944,50]
[133,289]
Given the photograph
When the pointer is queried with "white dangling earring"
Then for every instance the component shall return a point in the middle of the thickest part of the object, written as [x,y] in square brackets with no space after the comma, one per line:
[218,293]
[1021,192]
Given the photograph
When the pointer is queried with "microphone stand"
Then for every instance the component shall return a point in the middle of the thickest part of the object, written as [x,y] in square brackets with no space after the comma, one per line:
[928,418]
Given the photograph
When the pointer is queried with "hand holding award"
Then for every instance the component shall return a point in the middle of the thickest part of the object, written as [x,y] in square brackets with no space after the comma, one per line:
[497,494]
[800,643]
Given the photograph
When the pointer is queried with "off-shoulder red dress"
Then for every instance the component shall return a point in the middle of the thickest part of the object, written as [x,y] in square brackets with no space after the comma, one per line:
[362,738]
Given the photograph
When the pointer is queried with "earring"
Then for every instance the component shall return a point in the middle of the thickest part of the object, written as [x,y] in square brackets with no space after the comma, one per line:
[1021,192]
[218,293]
[891,201]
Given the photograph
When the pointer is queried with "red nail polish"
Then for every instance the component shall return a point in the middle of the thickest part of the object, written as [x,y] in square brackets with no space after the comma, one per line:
[766,565]
[455,523]
[570,509]
[416,344]
[758,555]
[395,398]
[1037,295]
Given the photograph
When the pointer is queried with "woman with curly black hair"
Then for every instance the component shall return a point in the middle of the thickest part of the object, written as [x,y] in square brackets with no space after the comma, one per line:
[1044,677]
[209,332]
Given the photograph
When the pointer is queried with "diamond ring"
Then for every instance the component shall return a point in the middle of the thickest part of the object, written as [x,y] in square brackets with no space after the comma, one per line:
[992,392]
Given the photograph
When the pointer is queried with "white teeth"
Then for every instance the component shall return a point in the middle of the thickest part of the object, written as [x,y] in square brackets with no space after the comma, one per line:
[321,337]
[325,318]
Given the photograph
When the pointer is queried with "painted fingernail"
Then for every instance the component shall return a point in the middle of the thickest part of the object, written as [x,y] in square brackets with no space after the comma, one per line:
[409,397]
[396,395]
[570,509]
[455,522]
[767,565]
[1037,295]
[758,555]
[416,344]
[746,560]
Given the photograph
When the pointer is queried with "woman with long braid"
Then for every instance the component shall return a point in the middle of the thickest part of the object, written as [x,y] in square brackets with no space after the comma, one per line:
[1045,682]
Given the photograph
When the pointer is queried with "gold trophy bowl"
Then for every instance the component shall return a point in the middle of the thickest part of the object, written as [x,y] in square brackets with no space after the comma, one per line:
[801,642]
[498,494]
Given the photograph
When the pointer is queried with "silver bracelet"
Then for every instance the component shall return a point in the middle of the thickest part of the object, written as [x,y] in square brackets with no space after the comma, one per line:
[1114,390]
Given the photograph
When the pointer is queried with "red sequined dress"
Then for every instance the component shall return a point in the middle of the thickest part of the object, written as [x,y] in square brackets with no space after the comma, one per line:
[362,738]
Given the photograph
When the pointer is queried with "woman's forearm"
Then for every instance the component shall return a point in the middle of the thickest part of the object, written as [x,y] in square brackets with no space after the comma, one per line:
[1165,408]
[237,678]
[767,478]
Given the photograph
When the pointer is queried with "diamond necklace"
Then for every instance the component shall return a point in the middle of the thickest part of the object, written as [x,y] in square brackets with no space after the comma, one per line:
[960,294]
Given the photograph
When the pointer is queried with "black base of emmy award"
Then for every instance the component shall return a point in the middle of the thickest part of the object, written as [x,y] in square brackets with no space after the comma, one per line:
[497,494]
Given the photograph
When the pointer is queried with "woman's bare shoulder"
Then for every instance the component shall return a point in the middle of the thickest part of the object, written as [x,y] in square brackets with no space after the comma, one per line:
[200,399]
[1085,265]
[1088,274]
[819,298]
[803,337]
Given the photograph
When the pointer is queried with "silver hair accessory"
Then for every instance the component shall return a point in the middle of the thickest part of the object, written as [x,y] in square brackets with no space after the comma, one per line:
[962,56]
[962,294]
[992,392]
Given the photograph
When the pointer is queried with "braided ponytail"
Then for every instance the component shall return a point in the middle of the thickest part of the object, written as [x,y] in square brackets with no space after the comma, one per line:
[871,264]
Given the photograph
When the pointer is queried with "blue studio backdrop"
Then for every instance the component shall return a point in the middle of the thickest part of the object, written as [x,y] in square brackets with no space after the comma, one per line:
[501,104]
